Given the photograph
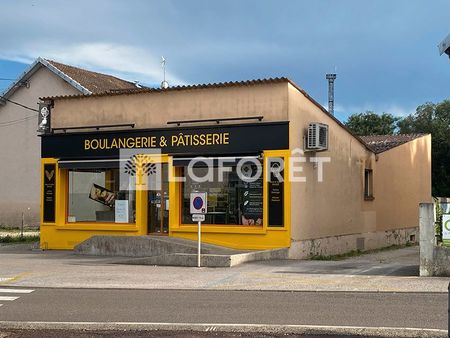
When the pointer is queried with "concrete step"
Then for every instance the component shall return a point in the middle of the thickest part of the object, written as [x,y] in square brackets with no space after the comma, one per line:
[208,260]
[145,246]
[163,250]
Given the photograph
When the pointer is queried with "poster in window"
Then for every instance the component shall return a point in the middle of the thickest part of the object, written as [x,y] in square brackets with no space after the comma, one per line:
[121,211]
[252,203]
[102,195]
[49,192]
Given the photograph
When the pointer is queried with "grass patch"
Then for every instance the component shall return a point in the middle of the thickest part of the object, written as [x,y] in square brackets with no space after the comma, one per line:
[19,239]
[4,227]
[16,231]
[355,253]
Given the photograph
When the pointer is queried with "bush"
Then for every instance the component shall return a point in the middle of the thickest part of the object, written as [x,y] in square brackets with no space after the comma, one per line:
[19,239]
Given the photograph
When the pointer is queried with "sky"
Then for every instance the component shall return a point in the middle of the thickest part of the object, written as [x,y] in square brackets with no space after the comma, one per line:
[384,52]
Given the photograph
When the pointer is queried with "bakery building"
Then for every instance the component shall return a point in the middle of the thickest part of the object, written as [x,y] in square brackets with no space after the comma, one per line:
[280,172]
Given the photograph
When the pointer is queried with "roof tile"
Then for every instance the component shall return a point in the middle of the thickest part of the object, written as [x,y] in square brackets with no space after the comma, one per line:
[381,143]
[135,90]
[93,81]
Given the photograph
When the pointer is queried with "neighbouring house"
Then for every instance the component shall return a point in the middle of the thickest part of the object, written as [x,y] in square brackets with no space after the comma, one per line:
[20,147]
[323,190]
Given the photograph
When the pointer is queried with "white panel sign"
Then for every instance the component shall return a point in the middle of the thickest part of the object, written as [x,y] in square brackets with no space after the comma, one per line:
[198,218]
[121,211]
[198,203]
[446,227]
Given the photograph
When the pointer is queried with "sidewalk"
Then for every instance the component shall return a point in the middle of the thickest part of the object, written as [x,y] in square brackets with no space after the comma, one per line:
[387,271]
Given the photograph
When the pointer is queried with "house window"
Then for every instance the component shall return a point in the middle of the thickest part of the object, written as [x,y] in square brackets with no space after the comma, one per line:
[368,184]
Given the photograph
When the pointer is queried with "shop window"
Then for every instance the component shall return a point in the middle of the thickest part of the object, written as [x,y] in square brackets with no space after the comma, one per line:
[231,201]
[368,184]
[101,195]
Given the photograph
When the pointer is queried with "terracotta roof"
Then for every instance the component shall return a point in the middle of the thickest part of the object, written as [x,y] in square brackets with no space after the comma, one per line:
[85,81]
[381,143]
[93,81]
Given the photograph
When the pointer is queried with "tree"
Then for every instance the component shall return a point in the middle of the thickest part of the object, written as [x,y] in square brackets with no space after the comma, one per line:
[433,119]
[370,123]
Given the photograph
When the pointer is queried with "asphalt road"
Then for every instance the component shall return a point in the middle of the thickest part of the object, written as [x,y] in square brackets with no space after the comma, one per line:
[410,310]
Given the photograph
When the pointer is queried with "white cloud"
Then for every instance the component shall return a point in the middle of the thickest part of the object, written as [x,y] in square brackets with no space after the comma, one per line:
[128,62]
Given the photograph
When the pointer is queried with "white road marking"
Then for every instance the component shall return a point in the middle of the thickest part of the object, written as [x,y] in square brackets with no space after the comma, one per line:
[15,291]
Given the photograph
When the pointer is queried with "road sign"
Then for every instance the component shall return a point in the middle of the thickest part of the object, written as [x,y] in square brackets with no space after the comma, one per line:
[198,207]
[198,203]
[198,218]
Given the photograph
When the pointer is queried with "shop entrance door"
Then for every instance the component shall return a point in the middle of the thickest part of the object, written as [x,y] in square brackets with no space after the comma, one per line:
[158,201]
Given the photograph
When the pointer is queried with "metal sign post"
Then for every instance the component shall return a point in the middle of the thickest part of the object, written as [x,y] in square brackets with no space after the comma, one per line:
[199,246]
[198,210]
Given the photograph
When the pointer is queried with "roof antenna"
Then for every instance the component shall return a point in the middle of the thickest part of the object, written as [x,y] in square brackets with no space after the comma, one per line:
[164,84]
[331,78]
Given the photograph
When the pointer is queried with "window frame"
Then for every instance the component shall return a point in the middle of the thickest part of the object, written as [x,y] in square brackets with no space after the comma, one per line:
[131,223]
[368,184]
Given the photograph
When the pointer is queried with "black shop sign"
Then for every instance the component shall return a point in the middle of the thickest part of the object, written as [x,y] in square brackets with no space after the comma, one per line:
[276,192]
[49,189]
[204,140]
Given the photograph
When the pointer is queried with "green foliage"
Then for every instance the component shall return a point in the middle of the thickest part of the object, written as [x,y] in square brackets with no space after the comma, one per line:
[19,239]
[438,223]
[429,118]
[434,119]
[370,123]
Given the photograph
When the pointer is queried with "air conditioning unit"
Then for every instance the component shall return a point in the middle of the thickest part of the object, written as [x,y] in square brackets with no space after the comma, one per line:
[317,138]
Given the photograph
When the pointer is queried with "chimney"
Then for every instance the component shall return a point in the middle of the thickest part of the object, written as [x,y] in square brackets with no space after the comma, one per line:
[331,78]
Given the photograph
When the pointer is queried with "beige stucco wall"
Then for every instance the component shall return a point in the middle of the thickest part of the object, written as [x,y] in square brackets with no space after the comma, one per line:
[335,206]
[402,180]
[20,149]
[151,110]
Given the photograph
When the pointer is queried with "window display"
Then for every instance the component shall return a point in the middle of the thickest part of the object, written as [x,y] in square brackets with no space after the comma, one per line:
[98,195]
[231,201]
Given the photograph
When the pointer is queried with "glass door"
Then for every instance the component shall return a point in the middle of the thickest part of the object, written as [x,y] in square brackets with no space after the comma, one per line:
[158,201]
